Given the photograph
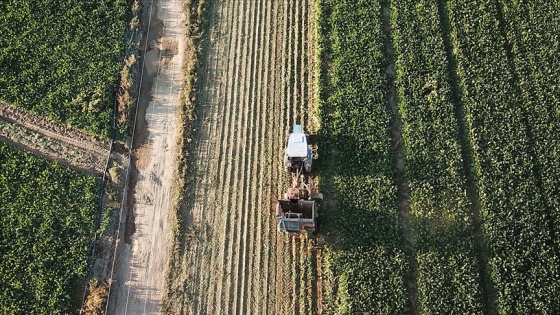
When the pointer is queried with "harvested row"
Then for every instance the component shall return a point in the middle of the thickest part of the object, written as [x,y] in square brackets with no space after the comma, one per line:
[229,258]
[448,270]
[53,141]
[522,259]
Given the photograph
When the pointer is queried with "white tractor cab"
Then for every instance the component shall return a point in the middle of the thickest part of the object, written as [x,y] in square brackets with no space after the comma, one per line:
[298,211]
[298,155]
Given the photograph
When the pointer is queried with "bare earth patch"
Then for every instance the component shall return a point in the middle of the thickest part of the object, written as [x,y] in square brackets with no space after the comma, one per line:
[142,256]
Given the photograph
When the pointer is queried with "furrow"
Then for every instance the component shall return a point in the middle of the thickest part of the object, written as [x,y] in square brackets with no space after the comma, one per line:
[268,84]
[282,122]
[223,116]
[247,134]
[261,160]
[251,269]
[240,158]
[231,126]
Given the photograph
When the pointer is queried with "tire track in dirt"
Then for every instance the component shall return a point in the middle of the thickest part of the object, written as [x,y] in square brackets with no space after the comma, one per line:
[139,279]
[398,161]
[53,141]
[251,90]
[472,188]
[251,193]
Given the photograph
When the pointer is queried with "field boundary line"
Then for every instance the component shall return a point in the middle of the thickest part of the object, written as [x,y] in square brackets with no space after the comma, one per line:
[130,143]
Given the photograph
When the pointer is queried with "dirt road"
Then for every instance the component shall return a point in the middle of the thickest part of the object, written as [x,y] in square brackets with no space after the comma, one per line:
[255,82]
[138,280]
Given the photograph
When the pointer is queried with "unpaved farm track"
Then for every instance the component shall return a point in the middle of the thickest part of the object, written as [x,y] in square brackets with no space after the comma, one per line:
[53,141]
[142,254]
[255,81]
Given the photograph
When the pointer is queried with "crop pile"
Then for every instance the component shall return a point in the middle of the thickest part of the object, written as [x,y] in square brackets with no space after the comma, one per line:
[46,226]
[61,59]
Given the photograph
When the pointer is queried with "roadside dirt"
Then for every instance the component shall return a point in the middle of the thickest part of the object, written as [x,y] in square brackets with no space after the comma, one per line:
[142,256]
[255,81]
[53,141]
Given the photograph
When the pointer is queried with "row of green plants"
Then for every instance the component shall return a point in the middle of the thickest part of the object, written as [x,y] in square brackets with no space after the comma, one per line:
[448,275]
[47,224]
[365,258]
[62,59]
[532,30]
[521,247]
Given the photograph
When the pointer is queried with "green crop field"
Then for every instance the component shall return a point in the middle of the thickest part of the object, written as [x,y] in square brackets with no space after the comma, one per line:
[46,226]
[466,95]
[61,59]
[368,256]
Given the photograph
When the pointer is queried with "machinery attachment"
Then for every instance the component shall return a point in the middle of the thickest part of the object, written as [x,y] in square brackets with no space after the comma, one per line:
[298,211]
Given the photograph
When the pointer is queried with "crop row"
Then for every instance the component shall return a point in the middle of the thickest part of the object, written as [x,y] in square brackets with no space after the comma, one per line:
[367,256]
[521,248]
[532,32]
[442,229]
[61,59]
[46,224]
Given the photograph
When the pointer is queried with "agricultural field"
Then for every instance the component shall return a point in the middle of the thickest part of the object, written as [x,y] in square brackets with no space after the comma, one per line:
[254,83]
[62,59]
[47,224]
[367,254]
[60,63]
[442,118]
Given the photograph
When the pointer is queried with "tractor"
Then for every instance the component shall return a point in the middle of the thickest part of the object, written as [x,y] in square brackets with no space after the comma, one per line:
[298,155]
[298,211]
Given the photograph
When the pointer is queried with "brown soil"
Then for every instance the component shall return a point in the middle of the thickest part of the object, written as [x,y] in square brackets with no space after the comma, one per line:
[142,253]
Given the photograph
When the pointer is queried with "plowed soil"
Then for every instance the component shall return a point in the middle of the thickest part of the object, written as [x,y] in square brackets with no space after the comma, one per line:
[255,83]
